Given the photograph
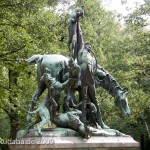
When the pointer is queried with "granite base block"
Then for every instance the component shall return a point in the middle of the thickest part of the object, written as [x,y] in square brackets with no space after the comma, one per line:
[75,143]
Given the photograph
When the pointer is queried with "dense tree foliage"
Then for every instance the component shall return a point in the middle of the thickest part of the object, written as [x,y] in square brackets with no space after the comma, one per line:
[32,27]
[26,28]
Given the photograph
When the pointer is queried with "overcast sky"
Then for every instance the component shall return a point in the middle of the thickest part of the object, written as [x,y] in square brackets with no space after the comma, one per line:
[122,6]
[125,7]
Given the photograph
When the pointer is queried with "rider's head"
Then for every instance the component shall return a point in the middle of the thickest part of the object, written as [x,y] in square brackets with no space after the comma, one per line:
[88,46]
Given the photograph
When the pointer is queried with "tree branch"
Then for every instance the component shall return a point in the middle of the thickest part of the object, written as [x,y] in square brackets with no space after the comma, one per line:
[14,51]
[6,88]
[15,24]
[12,23]
[10,5]
[12,60]
[5,110]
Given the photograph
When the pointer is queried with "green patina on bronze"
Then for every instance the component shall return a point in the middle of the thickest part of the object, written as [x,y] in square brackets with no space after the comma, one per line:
[78,73]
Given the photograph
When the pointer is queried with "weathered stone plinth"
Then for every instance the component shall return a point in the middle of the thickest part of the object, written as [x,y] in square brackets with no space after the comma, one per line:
[50,140]
[72,143]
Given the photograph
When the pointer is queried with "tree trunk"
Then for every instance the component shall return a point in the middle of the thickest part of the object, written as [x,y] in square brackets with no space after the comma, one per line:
[13,125]
[148,132]
[142,141]
[12,113]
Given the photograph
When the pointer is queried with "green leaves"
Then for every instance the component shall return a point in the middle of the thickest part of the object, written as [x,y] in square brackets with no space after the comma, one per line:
[26,28]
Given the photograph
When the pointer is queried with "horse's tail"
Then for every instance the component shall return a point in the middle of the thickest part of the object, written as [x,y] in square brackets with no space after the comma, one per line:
[34,59]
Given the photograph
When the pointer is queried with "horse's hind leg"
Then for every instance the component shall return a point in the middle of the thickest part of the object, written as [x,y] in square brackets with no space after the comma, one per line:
[38,92]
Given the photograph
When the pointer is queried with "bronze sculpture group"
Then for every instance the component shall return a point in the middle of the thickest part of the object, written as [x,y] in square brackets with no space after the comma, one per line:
[75,76]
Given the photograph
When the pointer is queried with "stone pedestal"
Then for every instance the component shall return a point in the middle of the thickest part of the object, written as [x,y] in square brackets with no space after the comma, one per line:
[62,138]
[72,143]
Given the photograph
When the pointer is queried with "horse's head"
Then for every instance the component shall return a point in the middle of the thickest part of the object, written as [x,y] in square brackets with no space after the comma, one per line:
[121,102]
